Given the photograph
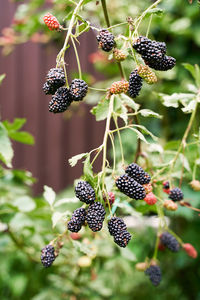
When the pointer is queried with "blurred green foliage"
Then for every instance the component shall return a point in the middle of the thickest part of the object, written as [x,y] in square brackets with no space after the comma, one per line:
[93,267]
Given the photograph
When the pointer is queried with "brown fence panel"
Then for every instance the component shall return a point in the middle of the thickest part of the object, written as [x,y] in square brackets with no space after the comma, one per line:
[57,138]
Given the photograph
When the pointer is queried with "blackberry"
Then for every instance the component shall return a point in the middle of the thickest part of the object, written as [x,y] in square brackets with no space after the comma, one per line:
[149,48]
[60,101]
[106,40]
[176,194]
[166,185]
[56,77]
[95,216]
[122,239]
[130,187]
[116,225]
[48,256]
[147,74]
[138,174]
[85,192]
[49,89]
[77,220]
[155,275]
[164,64]
[135,84]
[170,242]
[78,89]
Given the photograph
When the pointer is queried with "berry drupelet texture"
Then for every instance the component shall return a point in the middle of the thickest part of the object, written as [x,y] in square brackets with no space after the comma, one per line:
[169,241]
[116,225]
[138,174]
[106,40]
[149,48]
[130,187]
[48,256]
[135,84]
[122,239]
[150,199]
[78,89]
[49,89]
[155,275]
[77,220]
[51,22]
[56,77]
[147,74]
[95,216]
[119,87]
[176,194]
[60,101]
[85,192]
[166,63]
[119,55]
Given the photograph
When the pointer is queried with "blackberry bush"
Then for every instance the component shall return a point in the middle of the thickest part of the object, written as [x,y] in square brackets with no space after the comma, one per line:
[48,256]
[106,40]
[77,220]
[78,89]
[170,242]
[135,84]
[95,216]
[138,174]
[154,273]
[130,187]
[60,101]
[116,225]
[176,194]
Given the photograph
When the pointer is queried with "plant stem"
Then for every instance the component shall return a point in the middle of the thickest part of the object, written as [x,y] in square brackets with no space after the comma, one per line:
[77,58]
[138,151]
[105,11]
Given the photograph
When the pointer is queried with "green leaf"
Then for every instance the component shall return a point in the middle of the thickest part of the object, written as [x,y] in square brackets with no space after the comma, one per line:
[140,135]
[173,100]
[16,125]
[74,159]
[58,216]
[195,72]
[149,113]
[172,145]
[24,203]
[146,131]
[22,137]
[130,102]
[2,76]
[49,195]
[101,110]
[157,11]
[87,170]
[66,201]
[190,107]
[6,151]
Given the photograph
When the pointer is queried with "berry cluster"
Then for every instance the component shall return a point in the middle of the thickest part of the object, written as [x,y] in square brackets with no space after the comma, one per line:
[51,22]
[119,55]
[105,40]
[48,256]
[77,220]
[138,174]
[147,74]
[118,229]
[154,273]
[169,241]
[62,96]
[95,214]
[119,87]
[154,54]
[176,194]
[130,187]
[135,84]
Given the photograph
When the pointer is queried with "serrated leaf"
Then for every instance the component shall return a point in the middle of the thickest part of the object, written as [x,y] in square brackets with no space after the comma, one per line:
[185,162]
[123,114]
[6,151]
[149,113]
[146,131]
[49,195]
[140,135]
[101,110]
[74,159]
[87,170]
[173,100]
[190,107]
[130,102]
[157,11]
[16,125]
[2,76]
[155,148]
[24,203]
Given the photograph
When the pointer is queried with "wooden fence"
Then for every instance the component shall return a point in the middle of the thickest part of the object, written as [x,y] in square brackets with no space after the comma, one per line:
[57,138]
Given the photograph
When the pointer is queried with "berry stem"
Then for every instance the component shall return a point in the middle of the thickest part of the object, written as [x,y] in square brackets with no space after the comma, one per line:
[149,25]
[119,137]
[114,152]
[105,11]
[139,147]
[77,58]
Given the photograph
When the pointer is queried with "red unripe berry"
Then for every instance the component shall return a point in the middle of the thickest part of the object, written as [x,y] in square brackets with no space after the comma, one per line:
[166,187]
[75,236]
[150,199]
[190,250]
[51,22]
[161,247]
[110,198]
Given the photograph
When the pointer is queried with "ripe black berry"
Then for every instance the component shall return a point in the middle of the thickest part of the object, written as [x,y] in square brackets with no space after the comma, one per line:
[116,225]
[47,256]
[106,40]
[49,89]
[170,242]
[78,89]
[138,174]
[154,273]
[85,192]
[176,194]
[130,187]
[149,48]
[55,79]
[60,101]
[122,239]
[77,220]
[164,64]
[166,185]
[135,84]
[95,216]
